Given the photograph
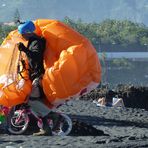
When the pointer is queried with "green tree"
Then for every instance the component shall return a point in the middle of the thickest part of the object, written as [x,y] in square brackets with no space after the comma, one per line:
[5,30]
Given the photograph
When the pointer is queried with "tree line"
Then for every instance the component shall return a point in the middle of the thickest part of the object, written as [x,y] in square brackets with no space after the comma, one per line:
[123,33]
[5,30]
[120,33]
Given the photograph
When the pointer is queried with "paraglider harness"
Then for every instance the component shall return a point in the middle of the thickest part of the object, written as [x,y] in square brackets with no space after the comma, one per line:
[21,62]
[21,67]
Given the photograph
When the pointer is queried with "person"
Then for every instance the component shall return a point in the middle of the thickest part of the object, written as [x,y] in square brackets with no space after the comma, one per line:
[34,52]
[118,102]
[103,102]
[100,102]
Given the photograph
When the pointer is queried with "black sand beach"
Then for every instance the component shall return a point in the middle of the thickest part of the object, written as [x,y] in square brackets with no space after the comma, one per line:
[97,127]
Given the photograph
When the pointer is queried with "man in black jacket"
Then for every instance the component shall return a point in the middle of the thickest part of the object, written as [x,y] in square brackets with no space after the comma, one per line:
[34,52]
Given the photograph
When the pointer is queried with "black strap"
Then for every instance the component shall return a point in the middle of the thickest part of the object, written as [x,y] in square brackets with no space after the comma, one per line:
[23,64]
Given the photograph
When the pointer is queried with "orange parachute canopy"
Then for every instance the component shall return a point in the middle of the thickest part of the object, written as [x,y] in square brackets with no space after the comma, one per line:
[71,65]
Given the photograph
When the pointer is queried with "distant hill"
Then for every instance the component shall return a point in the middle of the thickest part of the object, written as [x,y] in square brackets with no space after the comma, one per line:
[87,10]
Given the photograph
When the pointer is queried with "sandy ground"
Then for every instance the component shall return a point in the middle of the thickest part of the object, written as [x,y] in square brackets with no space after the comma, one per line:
[124,128]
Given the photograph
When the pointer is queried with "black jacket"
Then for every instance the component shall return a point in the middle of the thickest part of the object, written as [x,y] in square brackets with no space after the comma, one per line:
[35,51]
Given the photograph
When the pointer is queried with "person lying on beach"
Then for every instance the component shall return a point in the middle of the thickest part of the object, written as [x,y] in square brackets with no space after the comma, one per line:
[116,102]
[102,102]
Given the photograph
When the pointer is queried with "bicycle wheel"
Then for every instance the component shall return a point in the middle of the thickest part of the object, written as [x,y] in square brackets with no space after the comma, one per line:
[17,121]
[65,126]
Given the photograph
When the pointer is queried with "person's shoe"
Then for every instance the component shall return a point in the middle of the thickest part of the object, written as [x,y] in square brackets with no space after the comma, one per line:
[42,132]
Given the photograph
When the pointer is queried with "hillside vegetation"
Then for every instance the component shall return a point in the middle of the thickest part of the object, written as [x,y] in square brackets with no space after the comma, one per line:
[125,35]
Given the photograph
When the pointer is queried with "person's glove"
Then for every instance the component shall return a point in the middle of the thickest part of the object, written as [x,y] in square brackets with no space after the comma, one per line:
[21,47]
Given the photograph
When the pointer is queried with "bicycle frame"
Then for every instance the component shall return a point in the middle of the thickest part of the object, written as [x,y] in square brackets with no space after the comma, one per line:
[29,112]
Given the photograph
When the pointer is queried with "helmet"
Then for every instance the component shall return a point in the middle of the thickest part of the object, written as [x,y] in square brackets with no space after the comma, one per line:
[27,27]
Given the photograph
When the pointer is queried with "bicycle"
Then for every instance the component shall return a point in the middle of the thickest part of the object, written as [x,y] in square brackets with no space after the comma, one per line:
[19,117]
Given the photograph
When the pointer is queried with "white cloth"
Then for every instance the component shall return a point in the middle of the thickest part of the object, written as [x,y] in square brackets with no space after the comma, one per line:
[35,93]
[118,102]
